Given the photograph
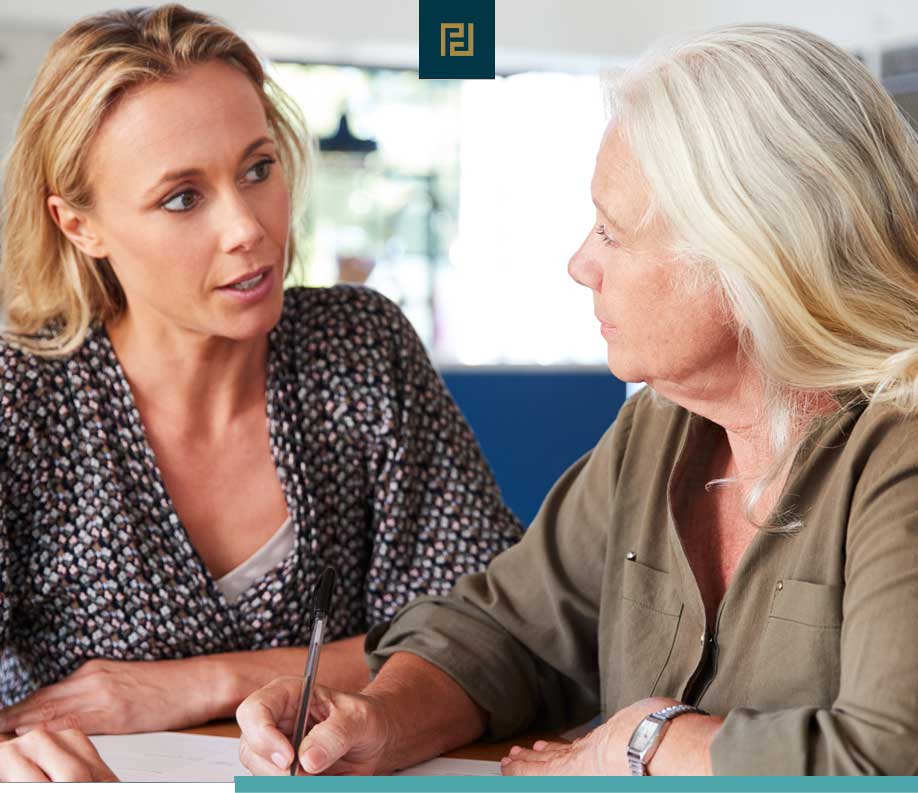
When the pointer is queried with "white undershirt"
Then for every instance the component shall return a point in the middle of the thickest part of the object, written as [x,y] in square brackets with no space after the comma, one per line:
[265,559]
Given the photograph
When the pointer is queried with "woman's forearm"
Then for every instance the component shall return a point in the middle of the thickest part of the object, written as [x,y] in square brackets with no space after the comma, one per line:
[427,712]
[233,676]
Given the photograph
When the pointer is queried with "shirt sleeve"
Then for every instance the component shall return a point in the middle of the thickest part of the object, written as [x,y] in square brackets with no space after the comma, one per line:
[872,727]
[522,637]
[437,511]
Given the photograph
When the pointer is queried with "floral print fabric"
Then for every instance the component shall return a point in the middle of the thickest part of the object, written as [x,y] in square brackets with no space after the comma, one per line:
[382,477]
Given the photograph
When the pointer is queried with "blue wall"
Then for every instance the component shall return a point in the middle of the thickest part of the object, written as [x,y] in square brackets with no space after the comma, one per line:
[532,423]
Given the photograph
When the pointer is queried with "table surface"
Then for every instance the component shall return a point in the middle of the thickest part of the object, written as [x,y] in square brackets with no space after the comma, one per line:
[473,751]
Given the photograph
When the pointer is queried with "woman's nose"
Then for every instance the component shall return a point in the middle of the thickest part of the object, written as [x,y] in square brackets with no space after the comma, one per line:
[584,268]
[241,229]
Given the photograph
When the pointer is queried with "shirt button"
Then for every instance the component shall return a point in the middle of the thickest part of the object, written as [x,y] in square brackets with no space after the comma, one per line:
[631,556]
[780,585]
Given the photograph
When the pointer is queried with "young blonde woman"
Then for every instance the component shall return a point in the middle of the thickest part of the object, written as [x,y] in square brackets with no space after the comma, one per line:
[754,258]
[183,444]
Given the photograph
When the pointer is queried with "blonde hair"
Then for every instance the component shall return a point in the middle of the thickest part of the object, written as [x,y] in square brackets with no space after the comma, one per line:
[51,292]
[789,180]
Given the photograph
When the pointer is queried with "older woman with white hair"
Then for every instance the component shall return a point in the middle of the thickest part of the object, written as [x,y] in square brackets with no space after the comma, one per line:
[731,576]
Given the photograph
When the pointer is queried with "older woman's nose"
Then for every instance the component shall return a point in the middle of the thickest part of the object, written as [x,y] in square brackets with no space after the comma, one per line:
[241,229]
[585,270]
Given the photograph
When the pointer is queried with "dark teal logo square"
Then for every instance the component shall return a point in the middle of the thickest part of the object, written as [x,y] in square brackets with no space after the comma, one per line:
[456,39]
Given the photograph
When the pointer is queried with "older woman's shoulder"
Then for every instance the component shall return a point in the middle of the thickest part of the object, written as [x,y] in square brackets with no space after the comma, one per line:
[651,415]
[882,435]
[646,427]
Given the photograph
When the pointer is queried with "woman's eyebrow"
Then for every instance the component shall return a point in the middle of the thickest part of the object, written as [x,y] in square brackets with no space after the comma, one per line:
[186,173]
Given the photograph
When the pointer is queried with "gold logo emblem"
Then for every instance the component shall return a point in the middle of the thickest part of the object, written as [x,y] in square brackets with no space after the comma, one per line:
[454,34]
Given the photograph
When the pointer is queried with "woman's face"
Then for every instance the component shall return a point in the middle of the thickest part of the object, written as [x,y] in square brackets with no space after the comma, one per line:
[655,331]
[189,200]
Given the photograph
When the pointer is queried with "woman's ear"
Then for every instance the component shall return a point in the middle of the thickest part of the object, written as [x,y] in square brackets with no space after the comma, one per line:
[77,227]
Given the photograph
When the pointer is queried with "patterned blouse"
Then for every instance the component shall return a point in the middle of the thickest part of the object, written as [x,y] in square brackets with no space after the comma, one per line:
[381,474]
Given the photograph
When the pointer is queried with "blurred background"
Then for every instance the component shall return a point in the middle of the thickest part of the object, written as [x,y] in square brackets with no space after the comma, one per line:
[463,200]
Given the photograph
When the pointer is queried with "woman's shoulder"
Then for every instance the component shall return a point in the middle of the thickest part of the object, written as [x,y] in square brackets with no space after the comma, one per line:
[31,388]
[22,369]
[345,317]
[647,430]
[649,420]
[883,437]
[343,301]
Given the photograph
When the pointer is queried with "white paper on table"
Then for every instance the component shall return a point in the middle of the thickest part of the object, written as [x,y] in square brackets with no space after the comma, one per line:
[178,757]
[171,757]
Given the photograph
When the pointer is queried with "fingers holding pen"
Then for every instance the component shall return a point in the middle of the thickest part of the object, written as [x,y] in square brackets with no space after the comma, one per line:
[348,738]
[266,720]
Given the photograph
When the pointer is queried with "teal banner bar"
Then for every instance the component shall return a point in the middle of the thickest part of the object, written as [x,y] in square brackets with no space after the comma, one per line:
[484,784]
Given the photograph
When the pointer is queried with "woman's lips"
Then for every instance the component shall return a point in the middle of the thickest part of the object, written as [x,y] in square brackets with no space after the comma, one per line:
[242,279]
[251,288]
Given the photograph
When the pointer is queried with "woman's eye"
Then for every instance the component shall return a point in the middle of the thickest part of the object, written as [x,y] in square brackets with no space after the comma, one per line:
[181,202]
[606,239]
[260,170]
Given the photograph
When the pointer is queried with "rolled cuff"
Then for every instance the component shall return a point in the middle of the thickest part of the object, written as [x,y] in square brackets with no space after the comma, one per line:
[490,666]
[750,743]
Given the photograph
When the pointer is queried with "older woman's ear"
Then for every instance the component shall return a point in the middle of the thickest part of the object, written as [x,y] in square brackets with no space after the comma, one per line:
[77,227]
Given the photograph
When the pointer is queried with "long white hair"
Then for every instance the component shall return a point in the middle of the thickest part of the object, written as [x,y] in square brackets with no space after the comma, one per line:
[789,180]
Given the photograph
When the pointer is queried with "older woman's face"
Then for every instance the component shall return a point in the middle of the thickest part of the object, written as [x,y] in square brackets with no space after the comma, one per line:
[654,330]
[189,201]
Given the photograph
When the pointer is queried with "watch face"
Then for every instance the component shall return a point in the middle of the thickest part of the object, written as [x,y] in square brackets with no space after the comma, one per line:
[643,735]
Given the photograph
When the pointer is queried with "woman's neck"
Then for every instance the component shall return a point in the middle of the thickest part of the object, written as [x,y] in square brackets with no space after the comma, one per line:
[735,399]
[198,383]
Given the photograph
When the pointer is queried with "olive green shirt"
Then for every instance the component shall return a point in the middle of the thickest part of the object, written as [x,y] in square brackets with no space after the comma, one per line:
[813,657]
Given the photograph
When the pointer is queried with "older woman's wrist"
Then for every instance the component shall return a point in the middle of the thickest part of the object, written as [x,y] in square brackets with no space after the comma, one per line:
[686,747]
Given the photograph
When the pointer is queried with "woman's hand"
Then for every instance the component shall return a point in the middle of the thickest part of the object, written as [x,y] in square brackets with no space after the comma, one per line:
[603,751]
[349,736]
[112,697]
[44,756]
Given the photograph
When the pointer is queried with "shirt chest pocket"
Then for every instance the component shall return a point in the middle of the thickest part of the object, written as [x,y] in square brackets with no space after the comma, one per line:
[650,610]
[798,660]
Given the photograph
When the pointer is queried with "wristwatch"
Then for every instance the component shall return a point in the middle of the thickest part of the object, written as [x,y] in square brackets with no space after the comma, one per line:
[646,738]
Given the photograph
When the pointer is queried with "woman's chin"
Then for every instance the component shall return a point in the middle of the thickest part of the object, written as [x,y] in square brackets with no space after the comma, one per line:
[251,324]
[251,321]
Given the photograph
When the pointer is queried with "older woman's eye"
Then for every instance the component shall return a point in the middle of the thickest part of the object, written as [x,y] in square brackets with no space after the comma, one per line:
[181,202]
[606,239]
[260,171]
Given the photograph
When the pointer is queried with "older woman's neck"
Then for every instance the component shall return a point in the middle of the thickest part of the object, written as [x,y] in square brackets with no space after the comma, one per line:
[737,402]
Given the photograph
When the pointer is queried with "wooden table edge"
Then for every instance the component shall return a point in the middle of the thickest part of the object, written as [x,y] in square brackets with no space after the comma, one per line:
[479,750]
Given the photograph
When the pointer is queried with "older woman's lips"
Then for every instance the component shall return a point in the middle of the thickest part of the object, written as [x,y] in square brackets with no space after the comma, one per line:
[607,330]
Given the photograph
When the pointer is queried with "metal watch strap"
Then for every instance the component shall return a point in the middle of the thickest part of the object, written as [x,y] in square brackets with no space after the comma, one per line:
[638,761]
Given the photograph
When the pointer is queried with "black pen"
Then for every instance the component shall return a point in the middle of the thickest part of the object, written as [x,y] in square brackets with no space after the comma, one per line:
[321,608]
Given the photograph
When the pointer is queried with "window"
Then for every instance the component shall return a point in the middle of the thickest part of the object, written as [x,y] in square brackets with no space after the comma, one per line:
[468,209]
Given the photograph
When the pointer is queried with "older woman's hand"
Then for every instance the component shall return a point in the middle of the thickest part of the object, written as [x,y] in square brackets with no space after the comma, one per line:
[349,737]
[603,751]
